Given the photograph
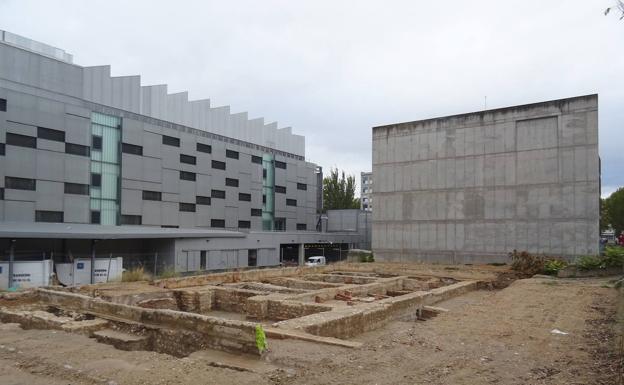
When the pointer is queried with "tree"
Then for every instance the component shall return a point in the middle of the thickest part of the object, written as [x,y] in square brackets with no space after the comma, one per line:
[614,206]
[619,5]
[339,191]
[604,215]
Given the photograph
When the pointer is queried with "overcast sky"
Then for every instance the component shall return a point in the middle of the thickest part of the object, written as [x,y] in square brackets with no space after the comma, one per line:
[334,69]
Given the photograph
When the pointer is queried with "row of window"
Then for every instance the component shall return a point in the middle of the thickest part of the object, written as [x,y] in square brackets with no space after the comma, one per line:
[217,223]
[31,142]
[96,181]
[175,142]
[200,200]
[58,217]
[31,184]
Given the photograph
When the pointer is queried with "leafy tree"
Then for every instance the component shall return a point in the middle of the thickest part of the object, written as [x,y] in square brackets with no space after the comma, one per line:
[604,215]
[339,191]
[614,206]
[619,5]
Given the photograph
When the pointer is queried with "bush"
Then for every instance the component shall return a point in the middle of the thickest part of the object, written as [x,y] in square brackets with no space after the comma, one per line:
[367,257]
[525,263]
[590,262]
[552,266]
[168,272]
[135,274]
[614,256]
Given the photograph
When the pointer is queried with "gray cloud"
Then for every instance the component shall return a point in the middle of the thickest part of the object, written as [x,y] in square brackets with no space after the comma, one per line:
[332,70]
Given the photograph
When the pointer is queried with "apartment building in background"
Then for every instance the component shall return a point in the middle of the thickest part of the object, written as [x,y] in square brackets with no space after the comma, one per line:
[366,191]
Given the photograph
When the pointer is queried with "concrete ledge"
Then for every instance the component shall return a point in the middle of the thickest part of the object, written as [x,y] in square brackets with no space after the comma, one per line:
[298,335]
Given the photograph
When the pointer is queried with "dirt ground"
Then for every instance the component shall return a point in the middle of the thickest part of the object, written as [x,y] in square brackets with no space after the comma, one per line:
[487,337]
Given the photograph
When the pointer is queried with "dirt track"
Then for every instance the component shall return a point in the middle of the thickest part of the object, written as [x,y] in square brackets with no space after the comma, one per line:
[487,337]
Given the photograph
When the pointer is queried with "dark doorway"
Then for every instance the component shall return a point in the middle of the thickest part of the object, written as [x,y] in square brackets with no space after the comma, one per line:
[252,257]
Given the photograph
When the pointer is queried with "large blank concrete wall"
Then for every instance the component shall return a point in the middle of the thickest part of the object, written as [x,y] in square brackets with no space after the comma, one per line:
[473,187]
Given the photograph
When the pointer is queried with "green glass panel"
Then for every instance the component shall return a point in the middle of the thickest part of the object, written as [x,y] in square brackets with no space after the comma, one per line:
[106,162]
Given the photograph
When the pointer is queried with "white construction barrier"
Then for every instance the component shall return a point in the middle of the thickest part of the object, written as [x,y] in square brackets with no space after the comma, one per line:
[79,272]
[26,274]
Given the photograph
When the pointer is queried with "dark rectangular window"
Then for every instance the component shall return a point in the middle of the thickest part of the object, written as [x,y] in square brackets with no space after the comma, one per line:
[76,149]
[256,159]
[133,149]
[188,159]
[95,217]
[96,180]
[263,199]
[244,197]
[302,186]
[280,189]
[152,195]
[302,226]
[201,200]
[76,188]
[20,140]
[2,104]
[49,216]
[131,219]
[170,226]
[256,212]
[50,134]
[2,151]
[185,175]
[1,193]
[96,142]
[231,154]
[252,257]
[218,165]
[291,202]
[20,183]
[264,173]
[204,148]
[231,182]
[219,194]
[217,223]
[279,164]
[279,224]
[187,207]
[170,141]
[244,224]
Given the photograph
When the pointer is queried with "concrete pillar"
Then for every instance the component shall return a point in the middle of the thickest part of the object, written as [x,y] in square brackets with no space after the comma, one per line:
[301,254]
[93,261]
[11,261]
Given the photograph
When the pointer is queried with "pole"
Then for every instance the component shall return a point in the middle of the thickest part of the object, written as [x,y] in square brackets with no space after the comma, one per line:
[155,264]
[11,261]
[110,256]
[93,261]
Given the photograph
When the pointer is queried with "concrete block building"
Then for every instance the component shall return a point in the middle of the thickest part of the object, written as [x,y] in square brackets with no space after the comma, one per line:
[474,187]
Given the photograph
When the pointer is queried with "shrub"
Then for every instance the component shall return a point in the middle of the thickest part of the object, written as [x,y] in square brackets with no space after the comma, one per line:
[135,274]
[525,263]
[552,266]
[590,262]
[367,257]
[168,272]
[614,256]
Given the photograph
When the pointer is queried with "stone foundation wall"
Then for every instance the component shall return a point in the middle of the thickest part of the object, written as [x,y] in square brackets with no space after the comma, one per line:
[216,333]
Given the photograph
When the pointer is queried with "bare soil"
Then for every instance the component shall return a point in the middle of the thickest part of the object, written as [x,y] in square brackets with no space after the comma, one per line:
[487,337]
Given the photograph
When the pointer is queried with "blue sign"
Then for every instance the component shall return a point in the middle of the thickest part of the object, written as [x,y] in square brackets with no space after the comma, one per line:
[80,265]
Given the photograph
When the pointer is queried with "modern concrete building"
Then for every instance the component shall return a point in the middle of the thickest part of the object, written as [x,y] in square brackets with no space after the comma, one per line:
[474,187]
[352,221]
[366,191]
[79,147]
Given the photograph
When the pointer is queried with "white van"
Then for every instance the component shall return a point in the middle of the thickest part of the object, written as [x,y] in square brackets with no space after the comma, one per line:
[316,261]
